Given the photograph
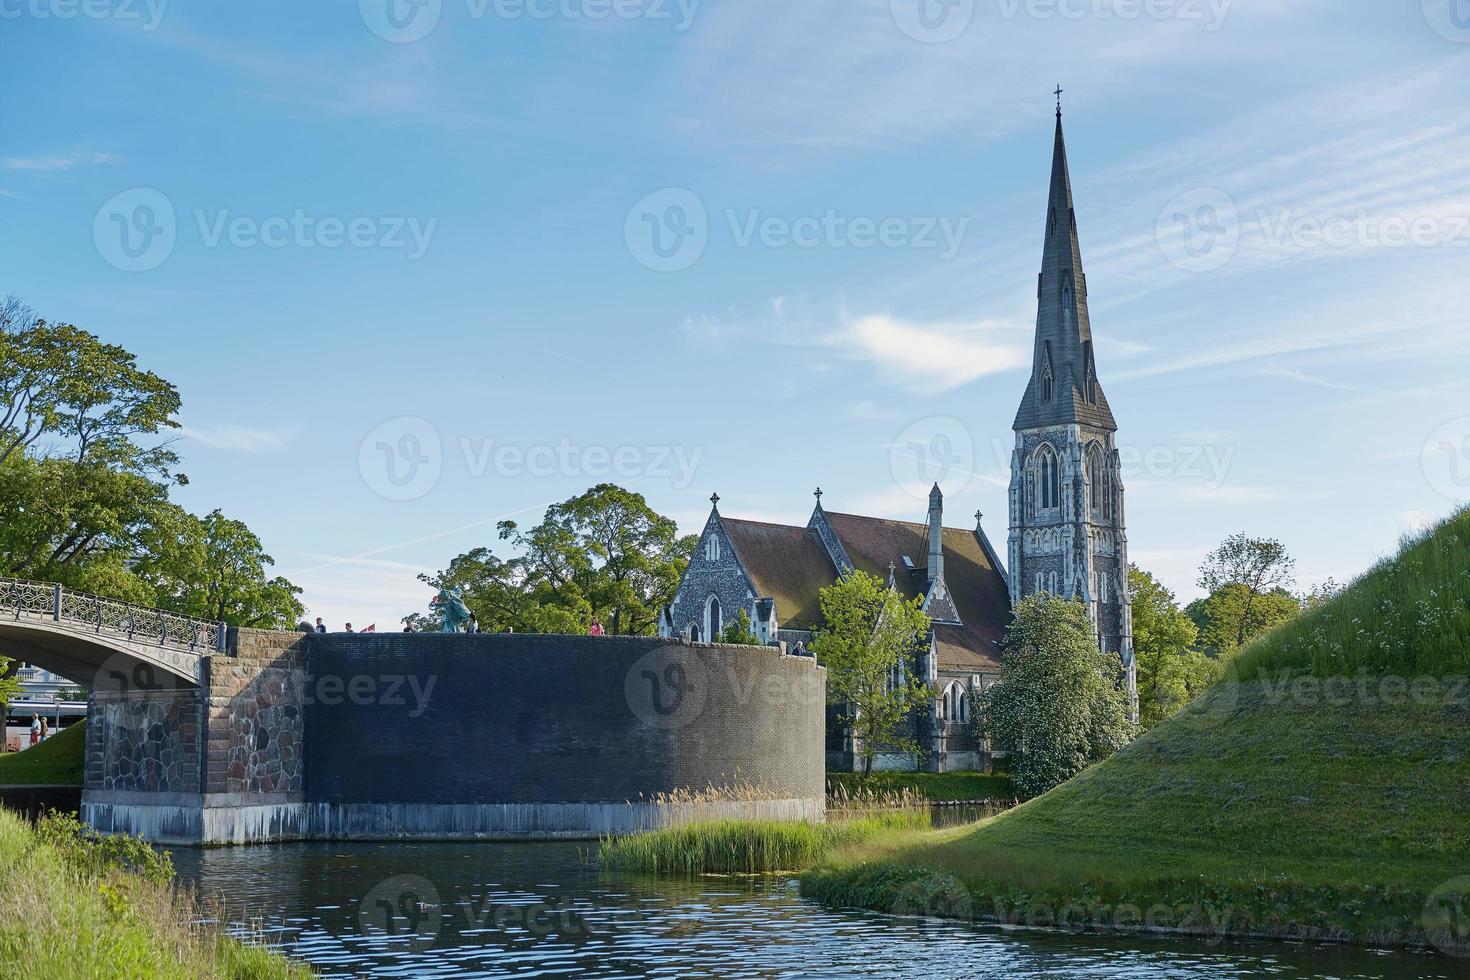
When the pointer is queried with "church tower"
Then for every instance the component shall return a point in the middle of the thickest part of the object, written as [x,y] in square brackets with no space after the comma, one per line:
[1068,535]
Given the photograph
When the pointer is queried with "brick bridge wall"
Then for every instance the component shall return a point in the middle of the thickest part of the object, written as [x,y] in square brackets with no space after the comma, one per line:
[432,736]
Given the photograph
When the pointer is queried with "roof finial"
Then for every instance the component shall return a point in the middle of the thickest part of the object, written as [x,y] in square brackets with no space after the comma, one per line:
[715,499]
[819,495]
[1059,101]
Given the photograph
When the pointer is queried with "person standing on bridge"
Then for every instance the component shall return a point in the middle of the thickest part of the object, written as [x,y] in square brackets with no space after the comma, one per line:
[45,728]
[35,729]
[596,629]
[321,627]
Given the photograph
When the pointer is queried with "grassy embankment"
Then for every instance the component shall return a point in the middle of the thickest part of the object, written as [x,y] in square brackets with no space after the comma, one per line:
[935,787]
[55,762]
[75,906]
[1318,791]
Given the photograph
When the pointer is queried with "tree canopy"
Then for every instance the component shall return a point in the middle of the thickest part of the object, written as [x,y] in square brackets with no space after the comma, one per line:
[603,553]
[1170,672]
[868,643]
[1059,705]
[86,473]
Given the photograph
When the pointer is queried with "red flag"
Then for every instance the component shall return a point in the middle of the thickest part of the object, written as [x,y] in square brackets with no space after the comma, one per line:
[370,629]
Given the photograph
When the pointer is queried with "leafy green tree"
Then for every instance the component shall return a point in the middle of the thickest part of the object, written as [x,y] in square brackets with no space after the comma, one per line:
[739,633]
[215,568]
[1170,673]
[1244,571]
[1059,705]
[605,552]
[88,399]
[1232,617]
[868,640]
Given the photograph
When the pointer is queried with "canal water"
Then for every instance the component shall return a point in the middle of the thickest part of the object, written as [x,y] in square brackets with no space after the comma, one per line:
[547,910]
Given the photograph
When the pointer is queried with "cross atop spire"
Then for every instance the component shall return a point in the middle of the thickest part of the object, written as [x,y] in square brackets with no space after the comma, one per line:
[715,499]
[1059,101]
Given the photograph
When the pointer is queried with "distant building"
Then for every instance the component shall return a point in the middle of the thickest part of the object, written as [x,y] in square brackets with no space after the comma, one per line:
[1067,534]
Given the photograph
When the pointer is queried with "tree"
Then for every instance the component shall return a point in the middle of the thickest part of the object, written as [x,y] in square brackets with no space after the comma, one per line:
[739,633]
[1059,705]
[503,597]
[1170,674]
[1232,617]
[214,568]
[868,641]
[1252,568]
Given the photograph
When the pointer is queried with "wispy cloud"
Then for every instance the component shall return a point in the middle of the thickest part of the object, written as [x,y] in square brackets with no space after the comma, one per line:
[241,438]
[1286,373]
[59,162]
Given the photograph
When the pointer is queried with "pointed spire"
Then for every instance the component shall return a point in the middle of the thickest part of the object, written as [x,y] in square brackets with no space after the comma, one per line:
[1063,387]
[936,534]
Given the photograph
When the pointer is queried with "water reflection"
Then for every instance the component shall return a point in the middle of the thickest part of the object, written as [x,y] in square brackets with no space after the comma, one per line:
[542,910]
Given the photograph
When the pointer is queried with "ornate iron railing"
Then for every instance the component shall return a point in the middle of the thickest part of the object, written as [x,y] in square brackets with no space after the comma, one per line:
[138,624]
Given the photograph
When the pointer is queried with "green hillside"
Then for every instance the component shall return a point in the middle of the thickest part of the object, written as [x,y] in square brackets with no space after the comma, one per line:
[1322,789]
[55,762]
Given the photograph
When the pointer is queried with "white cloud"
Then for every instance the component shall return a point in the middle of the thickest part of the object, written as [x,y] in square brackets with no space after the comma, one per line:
[1286,373]
[59,162]
[241,438]
[936,356]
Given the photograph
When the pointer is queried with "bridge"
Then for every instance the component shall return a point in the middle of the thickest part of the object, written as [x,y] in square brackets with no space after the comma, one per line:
[93,641]
[198,733]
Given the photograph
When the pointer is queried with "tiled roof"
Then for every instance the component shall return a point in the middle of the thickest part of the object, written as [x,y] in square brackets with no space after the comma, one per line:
[978,587]
[787,564]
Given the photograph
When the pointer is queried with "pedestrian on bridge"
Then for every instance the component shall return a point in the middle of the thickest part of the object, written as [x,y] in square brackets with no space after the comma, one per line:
[35,729]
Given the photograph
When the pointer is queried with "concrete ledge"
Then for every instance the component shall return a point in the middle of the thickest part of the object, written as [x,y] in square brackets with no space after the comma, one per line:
[197,824]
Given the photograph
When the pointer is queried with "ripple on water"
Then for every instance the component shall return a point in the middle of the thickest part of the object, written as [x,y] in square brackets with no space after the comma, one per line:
[540,910]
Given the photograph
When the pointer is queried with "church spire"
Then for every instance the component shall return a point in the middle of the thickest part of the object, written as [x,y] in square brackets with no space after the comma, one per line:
[1063,388]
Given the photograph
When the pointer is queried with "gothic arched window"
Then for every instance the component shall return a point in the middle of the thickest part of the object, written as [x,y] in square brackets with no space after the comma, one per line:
[1048,479]
[1099,485]
[713,624]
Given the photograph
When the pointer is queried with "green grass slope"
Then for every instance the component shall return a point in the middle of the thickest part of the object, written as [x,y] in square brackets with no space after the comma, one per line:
[57,761]
[1321,790]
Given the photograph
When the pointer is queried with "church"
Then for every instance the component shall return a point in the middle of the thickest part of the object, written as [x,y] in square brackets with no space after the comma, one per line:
[1067,535]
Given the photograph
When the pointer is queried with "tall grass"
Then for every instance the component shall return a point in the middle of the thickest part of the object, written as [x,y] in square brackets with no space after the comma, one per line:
[1408,617]
[72,907]
[749,846]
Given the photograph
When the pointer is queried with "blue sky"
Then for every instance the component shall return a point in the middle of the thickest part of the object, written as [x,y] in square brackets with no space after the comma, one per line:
[427,240]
